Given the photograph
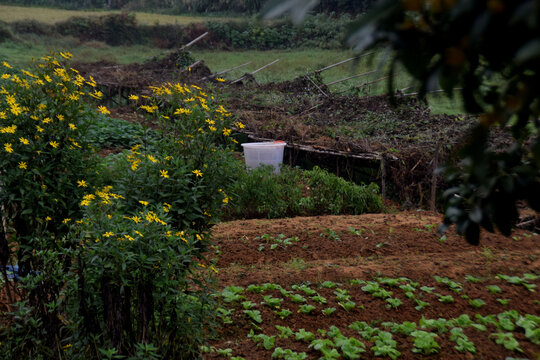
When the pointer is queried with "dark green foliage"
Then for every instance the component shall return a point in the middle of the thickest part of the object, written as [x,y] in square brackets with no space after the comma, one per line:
[5,33]
[122,29]
[260,193]
[115,29]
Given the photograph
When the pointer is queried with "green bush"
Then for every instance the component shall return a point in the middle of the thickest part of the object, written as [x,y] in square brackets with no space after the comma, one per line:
[261,193]
[5,33]
[330,194]
[113,29]
[46,164]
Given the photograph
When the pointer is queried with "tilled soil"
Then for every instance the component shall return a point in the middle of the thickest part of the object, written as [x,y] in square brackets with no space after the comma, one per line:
[367,247]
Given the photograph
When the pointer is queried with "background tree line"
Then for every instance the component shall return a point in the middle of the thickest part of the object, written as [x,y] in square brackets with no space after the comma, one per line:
[195,6]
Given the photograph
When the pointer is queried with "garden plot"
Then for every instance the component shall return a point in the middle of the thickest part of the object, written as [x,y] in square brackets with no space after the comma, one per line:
[382,285]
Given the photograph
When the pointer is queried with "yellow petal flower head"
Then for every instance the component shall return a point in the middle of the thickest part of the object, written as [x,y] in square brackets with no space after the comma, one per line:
[23,165]
[8,147]
[164,173]
[145,203]
[81,183]
[197,173]
[220,79]
[24,141]
[102,109]
[54,144]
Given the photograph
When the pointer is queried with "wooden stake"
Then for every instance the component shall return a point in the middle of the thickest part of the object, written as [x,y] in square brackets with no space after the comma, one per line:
[351,77]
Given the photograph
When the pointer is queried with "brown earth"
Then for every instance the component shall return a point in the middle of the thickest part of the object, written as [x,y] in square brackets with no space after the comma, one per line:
[392,245]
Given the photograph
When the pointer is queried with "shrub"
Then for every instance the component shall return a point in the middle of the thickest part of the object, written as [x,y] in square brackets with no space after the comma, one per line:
[5,33]
[105,274]
[332,194]
[261,193]
[46,163]
[191,161]
[136,282]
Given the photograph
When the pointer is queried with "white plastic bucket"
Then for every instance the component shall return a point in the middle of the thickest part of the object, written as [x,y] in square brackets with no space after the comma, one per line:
[264,153]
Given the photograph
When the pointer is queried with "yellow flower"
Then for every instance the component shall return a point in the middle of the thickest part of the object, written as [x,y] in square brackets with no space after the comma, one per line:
[73,97]
[152,159]
[81,183]
[6,76]
[198,173]
[96,94]
[129,237]
[226,200]
[108,234]
[133,97]
[6,65]
[39,128]
[24,141]
[48,78]
[66,220]
[23,165]
[239,125]
[15,110]
[60,117]
[220,79]
[180,111]
[226,132]
[136,219]
[143,202]
[42,106]
[8,129]
[212,128]
[72,126]
[8,148]
[138,233]
[54,144]
[66,55]
[164,173]
[46,120]
[102,109]
[48,218]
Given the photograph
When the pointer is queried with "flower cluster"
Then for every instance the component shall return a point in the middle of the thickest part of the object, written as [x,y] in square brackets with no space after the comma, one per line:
[43,154]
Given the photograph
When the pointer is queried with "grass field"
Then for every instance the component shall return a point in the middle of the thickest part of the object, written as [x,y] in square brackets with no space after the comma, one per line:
[51,16]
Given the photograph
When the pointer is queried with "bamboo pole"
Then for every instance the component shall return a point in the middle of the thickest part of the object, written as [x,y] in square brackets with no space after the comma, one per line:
[256,71]
[351,77]
[343,62]
[317,86]
[193,41]
[226,71]
[430,92]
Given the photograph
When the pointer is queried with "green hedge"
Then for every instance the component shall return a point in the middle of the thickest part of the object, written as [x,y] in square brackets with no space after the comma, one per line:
[318,31]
